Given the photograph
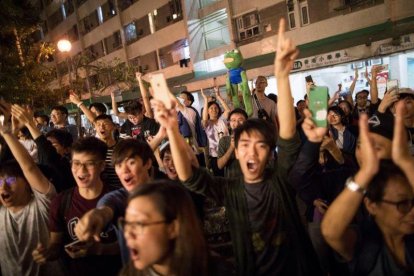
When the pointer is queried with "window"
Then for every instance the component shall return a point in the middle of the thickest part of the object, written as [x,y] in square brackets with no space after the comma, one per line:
[113,42]
[248,26]
[73,33]
[304,12]
[291,13]
[55,18]
[108,10]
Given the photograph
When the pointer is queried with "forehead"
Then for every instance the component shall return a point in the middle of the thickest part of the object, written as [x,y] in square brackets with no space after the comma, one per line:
[83,156]
[237,116]
[142,206]
[252,136]
[261,79]
[55,111]
[104,121]
[398,187]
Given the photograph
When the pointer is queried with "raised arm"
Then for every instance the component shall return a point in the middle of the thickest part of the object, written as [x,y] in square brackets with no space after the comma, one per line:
[400,151]
[374,87]
[341,212]
[204,116]
[222,102]
[350,96]
[168,119]
[76,101]
[32,173]
[115,107]
[144,95]
[286,53]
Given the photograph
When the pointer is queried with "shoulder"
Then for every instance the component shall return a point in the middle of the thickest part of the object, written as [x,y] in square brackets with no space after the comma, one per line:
[114,198]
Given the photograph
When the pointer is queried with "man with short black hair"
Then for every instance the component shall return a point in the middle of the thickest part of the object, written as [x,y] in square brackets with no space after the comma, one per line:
[59,118]
[138,125]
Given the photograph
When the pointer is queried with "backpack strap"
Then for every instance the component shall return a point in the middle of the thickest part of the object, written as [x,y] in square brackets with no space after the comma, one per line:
[66,201]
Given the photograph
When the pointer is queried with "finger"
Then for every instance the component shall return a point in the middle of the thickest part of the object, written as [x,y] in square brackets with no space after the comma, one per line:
[281,32]
[363,130]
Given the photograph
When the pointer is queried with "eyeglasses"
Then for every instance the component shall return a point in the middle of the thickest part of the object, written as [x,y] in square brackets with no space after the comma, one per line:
[333,115]
[8,181]
[403,206]
[136,227]
[362,97]
[89,165]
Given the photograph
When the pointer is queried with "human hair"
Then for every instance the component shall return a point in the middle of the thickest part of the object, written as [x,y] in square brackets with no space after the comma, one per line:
[238,111]
[190,96]
[92,146]
[11,168]
[63,137]
[164,150]
[62,109]
[103,117]
[273,97]
[218,106]
[133,107]
[189,252]
[257,125]
[362,91]
[43,116]
[100,107]
[131,148]
[298,102]
[337,110]
[387,172]
[261,77]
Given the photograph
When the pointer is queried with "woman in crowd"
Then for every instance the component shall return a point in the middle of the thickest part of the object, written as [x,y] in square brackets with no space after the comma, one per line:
[163,233]
[384,245]
[215,126]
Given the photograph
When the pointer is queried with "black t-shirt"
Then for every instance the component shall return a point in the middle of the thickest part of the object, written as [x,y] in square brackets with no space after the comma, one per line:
[147,125]
[269,237]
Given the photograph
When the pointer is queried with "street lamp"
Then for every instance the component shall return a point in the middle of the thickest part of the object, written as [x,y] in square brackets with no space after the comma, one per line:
[64,45]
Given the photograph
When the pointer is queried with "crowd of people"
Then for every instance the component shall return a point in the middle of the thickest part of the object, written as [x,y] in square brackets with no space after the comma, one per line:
[177,192]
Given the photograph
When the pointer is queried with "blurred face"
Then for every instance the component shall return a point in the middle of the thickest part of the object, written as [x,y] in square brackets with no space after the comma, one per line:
[147,235]
[334,118]
[95,111]
[86,169]
[136,119]
[345,108]
[381,144]
[59,148]
[361,99]
[169,167]
[40,121]
[185,99]
[301,106]
[57,117]
[14,191]
[104,128]
[213,111]
[133,172]
[261,84]
[390,218]
[409,106]
[253,154]
[236,120]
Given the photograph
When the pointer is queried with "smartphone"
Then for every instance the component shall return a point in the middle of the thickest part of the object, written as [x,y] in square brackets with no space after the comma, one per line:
[318,105]
[392,84]
[75,244]
[161,90]
[309,79]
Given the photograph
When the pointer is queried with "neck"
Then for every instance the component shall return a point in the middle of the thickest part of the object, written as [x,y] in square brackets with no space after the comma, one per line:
[23,202]
[92,192]
[339,127]
[260,94]
[163,268]
[109,141]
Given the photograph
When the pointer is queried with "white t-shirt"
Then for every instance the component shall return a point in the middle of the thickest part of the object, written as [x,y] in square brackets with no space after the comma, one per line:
[214,132]
[20,234]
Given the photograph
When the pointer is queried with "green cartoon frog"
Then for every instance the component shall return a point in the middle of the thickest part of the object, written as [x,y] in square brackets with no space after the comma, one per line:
[237,81]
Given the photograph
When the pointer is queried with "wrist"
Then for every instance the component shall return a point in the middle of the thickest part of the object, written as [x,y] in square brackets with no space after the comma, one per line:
[352,185]
[79,104]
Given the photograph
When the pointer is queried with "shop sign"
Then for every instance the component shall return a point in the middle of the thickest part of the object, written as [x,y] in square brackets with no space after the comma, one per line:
[322,60]
[406,42]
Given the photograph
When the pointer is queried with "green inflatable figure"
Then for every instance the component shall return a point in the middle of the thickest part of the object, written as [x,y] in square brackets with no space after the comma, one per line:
[237,80]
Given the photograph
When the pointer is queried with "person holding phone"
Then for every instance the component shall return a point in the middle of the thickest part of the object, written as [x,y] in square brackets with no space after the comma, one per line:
[384,244]
[86,257]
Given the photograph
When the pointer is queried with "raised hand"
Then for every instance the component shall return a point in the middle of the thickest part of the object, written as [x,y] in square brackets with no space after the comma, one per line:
[167,118]
[315,134]
[369,162]
[23,115]
[388,100]
[203,94]
[286,52]
[73,97]
[5,109]
[356,75]
[400,153]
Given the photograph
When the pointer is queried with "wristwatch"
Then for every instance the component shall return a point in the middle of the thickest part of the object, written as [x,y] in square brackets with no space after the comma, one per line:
[354,187]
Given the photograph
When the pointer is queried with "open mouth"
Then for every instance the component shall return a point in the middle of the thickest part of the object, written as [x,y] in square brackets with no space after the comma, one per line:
[128,180]
[251,165]
[5,196]
[83,178]
[134,254]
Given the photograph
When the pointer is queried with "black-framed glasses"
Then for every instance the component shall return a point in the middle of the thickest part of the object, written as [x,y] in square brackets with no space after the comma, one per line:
[403,206]
[89,165]
[8,181]
[136,227]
